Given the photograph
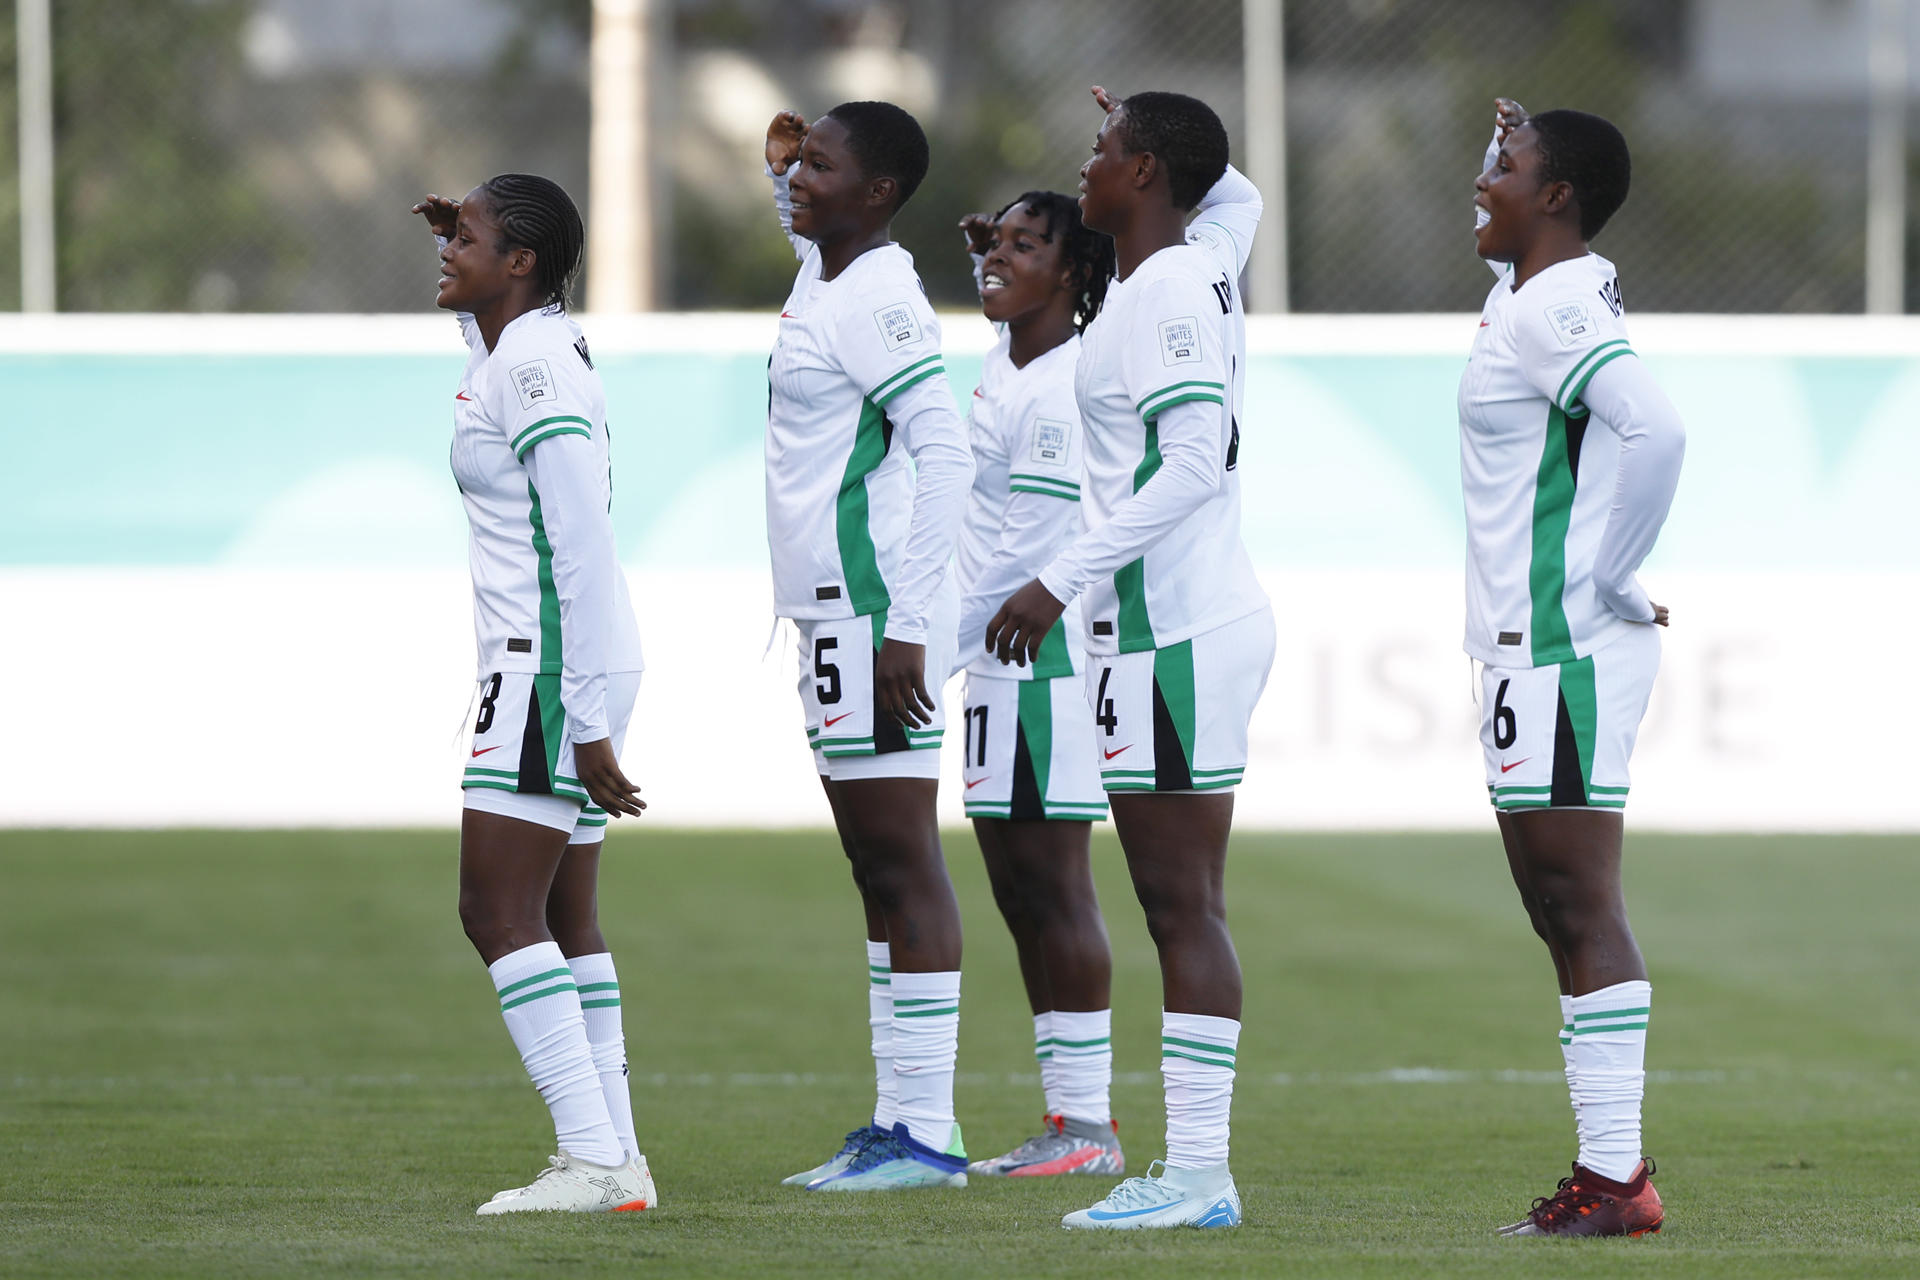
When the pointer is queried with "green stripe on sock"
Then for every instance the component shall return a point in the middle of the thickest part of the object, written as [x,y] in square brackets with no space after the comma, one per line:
[1196,1044]
[1613,1013]
[511,987]
[554,990]
[601,1004]
[898,1012]
[1083,1044]
[1211,1062]
[598,986]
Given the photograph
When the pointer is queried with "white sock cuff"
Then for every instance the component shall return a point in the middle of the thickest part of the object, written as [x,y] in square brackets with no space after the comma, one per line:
[921,995]
[539,966]
[1043,1036]
[1200,1038]
[1077,1034]
[1624,1006]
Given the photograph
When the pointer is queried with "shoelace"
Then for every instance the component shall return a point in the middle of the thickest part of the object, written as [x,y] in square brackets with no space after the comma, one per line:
[1569,1200]
[857,1140]
[878,1150]
[1138,1193]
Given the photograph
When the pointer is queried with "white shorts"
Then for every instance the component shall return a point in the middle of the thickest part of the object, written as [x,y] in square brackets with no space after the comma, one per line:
[522,763]
[1175,719]
[1030,752]
[1559,737]
[850,736]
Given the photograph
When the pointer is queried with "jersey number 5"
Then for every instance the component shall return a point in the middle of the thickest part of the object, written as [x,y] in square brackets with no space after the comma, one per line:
[828,690]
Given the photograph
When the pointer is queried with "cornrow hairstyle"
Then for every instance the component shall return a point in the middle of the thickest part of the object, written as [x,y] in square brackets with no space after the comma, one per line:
[1184,135]
[887,143]
[1085,252]
[535,213]
[1588,154]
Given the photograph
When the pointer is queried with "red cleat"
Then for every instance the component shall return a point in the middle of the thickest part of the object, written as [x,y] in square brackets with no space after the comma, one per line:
[1587,1204]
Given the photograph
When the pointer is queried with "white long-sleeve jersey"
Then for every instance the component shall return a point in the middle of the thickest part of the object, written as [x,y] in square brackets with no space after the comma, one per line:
[1159,386]
[857,387]
[1025,503]
[1560,516]
[530,453]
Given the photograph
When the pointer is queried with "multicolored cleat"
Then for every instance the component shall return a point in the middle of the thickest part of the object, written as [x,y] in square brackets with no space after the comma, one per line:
[856,1141]
[1066,1146]
[895,1162]
[1164,1198]
[1587,1204]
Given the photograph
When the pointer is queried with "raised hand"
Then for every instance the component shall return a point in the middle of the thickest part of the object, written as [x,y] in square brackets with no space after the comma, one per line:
[784,136]
[979,231]
[1108,103]
[1508,115]
[442,214]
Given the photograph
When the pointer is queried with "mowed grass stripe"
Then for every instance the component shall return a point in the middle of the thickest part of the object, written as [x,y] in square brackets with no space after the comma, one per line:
[185,1116]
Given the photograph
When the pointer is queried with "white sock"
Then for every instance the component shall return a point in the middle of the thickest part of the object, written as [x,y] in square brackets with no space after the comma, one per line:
[541,1006]
[1197,1062]
[1608,1069]
[1043,1054]
[600,1005]
[1082,1065]
[886,1094]
[1566,1054]
[926,1040]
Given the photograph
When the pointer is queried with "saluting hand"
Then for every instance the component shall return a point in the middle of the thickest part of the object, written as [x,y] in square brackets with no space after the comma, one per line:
[979,232]
[1508,115]
[600,774]
[1108,103]
[784,136]
[899,682]
[442,215]
[1015,633]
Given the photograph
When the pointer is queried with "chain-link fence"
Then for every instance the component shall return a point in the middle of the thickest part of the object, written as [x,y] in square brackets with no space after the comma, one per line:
[261,154]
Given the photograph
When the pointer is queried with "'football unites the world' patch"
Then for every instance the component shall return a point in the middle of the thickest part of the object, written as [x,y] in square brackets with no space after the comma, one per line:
[534,381]
[898,325]
[1180,341]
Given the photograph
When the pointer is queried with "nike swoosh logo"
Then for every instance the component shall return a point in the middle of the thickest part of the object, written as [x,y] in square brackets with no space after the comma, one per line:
[483,750]
[1516,764]
[1111,754]
[1483,324]
[977,781]
[1102,1216]
[834,720]
[461,395]
[788,315]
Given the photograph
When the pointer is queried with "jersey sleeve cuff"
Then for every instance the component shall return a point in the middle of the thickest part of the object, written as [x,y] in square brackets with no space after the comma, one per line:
[918,371]
[1596,359]
[1051,486]
[546,429]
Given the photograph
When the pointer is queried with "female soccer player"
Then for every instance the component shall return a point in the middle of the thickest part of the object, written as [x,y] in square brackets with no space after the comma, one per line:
[1033,789]
[860,542]
[1179,634]
[1559,517]
[560,665]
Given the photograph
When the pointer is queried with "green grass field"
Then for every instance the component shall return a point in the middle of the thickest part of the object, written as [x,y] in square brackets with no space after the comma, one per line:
[274,1054]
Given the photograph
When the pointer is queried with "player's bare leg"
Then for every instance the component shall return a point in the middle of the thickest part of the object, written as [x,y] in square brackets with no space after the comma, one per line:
[1042,879]
[1517,868]
[895,839]
[876,922]
[506,870]
[1176,847]
[1571,858]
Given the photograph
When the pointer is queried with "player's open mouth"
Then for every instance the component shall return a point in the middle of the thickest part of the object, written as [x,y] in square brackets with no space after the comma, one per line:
[992,282]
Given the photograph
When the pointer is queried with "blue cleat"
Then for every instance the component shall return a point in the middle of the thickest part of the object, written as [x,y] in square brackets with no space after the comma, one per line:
[895,1162]
[1164,1198]
[856,1142]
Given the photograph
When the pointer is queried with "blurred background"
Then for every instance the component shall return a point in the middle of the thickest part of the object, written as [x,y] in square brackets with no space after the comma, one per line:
[257,155]
[225,386]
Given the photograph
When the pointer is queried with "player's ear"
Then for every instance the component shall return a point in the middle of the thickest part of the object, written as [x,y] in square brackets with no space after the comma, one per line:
[520,262]
[1145,166]
[880,192]
[1558,198]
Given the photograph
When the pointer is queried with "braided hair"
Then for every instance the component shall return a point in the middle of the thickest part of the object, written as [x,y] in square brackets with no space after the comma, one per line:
[1087,253]
[535,213]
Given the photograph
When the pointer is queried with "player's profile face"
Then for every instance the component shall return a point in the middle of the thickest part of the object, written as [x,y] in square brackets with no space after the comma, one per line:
[473,266]
[826,184]
[1103,178]
[1022,273]
[1507,191]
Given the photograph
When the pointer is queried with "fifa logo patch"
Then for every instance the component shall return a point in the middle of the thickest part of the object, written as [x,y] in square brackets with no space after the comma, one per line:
[898,325]
[1180,341]
[534,381]
[1049,441]
[1571,321]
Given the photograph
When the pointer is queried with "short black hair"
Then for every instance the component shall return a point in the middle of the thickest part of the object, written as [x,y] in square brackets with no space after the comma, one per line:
[535,213]
[887,142]
[1084,251]
[1587,153]
[1184,135]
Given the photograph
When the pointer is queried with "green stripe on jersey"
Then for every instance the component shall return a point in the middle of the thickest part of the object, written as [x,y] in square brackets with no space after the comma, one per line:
[549,597]
[520,454]
[1130,580]
[1055,661]
[1553,495]
[1175,393]
[1035,717]
[521,441]
[1584,369]
[918,371]
[859,562]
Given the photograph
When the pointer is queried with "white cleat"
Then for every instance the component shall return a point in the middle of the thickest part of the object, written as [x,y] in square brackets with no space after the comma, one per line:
[1164,1198]
[571,1185]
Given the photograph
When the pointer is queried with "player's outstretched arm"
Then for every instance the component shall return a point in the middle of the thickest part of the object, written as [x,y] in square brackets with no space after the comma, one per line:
[443,219]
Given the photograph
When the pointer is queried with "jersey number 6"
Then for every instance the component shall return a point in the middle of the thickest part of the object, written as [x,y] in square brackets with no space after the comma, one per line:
[1504,728]
[828,690]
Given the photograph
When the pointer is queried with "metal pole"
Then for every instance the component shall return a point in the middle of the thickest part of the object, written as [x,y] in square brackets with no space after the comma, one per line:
[1887,158]
[33,34]
[1263,68]
[620,258]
